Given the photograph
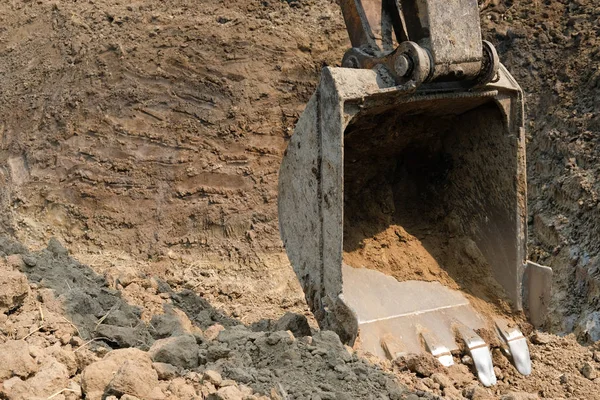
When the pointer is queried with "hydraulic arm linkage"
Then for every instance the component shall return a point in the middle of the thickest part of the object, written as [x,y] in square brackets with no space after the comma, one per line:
[420,41]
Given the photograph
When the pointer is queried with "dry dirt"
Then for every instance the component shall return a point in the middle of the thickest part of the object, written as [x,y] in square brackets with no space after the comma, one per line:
[147,136]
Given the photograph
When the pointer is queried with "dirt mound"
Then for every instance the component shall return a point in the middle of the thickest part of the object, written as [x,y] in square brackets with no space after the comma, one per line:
[69,319]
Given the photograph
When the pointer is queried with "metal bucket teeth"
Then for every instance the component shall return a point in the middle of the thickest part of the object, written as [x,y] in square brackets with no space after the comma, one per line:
[516,346]
[392,347]
[480,353]
[438,350]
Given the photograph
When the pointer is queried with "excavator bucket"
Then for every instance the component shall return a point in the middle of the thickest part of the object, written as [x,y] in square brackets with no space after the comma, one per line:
[403,213]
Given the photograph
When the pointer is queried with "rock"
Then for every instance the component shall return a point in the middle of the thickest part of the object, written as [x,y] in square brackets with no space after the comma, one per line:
[129,397]
[477,392]
[228,382]
[238,335]
[14,289]
[541,338]
[212,331]
[74,391]
[442,380]
[165,371]
[96,376]
[592,327]
[124,336]
[596,356]
[563,379]
[65,357]
[423,365]
[56,248]
[15,261]
[128,275]
[181,351]
[213,377]
[217,352]
[280,336]
[51,378]
[296,323]
[15,360]
[227,393]
[85,357]
[519,396]
[136,378]
[589,371]
[173,322]
[182,390]
[7,386]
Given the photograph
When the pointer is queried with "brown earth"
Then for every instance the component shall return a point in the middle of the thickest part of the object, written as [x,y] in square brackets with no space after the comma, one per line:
[147,138]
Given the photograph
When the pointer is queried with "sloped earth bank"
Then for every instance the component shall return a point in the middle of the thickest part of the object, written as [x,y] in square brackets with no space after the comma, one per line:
[68,333]
[146,136]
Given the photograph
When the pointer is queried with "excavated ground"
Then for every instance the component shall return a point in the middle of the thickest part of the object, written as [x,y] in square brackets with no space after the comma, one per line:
[147,136]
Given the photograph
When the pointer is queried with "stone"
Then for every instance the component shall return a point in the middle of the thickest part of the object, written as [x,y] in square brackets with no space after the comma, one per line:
[421,364]
[136,378]
[563,379]
[14,289]
[15,360]
[280,336]
[7,386]
[217,352]
[589,371]
[182,390]
[124,336]
[296,323]
[592,327]
[181,351]
[477,392]
[441,379]
[85,357]
[212,331]
[128,275]
[227,393]
[173,322]
[519,396]
[15,261]
[238,335]
[165,371]
[213,377]
[129,397]
[65,357]
[541,338]
[96,376]
[51,378]
[74,391]
[56,248]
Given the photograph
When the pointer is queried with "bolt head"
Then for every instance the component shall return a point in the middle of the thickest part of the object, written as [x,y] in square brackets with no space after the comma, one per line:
[402,65]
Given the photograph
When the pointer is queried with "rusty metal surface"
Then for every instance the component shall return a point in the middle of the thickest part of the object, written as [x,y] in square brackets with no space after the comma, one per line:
[448,31]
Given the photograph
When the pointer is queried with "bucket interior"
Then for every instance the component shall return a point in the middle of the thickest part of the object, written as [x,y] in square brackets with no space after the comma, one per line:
[431,193]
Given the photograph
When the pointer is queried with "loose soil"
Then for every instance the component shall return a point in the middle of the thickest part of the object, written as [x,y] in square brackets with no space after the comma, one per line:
[146,137]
